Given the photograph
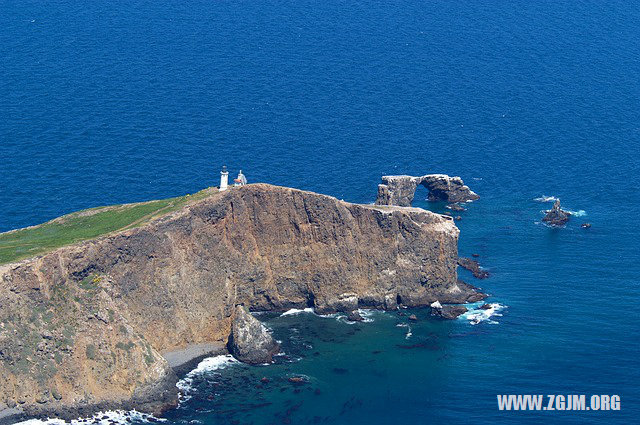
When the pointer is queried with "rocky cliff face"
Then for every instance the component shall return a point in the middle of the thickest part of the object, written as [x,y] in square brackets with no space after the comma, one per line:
[82,328]
[399,190]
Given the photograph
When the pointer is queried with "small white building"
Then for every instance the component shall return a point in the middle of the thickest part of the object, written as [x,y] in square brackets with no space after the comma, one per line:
[241,180]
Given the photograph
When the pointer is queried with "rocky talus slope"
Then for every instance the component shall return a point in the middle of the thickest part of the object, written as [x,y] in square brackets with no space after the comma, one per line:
[82,327]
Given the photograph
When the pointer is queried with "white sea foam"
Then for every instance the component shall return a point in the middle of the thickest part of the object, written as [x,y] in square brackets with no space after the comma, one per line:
[207,365]
[545,198]
[367,315]
[297,311]
[579,213]
[476,315]
[102,418]
[213,363]
[406,325]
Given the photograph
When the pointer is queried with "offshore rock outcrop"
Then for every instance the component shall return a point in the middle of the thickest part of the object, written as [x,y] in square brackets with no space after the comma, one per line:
[82,327]
[400,190]
[447,311]
[250,341]
[556,216]
[474,267]
[354,316]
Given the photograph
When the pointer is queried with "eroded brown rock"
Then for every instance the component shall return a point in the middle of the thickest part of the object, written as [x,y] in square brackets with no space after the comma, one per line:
[448,312]
[400,190]
[81,328]
[474,267]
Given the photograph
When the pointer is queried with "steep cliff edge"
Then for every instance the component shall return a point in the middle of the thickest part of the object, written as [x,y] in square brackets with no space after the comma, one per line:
[82,327]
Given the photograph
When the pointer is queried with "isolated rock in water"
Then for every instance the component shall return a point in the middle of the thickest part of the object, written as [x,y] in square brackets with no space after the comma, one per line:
[449,311]
[556,216]
[585,225]
[297,380]
[400,190]
[250,341]
[413,318]
[474,267]
[354,316]
[455,207]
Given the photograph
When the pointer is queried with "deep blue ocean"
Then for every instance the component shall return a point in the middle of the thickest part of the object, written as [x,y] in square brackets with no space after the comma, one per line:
[107,102]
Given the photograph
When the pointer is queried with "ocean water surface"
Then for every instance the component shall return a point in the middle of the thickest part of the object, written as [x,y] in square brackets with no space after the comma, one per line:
[110,102]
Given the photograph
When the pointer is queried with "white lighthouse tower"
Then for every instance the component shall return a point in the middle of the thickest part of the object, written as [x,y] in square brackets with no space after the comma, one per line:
[224,178]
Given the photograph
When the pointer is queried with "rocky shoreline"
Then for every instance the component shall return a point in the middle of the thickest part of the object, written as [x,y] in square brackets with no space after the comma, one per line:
[82,328]
[184,360]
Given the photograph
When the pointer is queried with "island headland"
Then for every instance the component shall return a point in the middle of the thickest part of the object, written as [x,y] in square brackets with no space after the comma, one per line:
[86,327]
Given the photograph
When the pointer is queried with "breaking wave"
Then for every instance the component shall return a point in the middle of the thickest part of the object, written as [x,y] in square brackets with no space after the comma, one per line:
[367,315]
[101,418]
[297,311]
[476,315]
[341,317]
[207,365]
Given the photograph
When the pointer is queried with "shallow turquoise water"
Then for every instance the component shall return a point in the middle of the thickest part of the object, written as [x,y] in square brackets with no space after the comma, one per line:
[110,102]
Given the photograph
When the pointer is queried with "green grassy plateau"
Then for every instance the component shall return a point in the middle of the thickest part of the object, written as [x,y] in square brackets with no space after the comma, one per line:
[84,225]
